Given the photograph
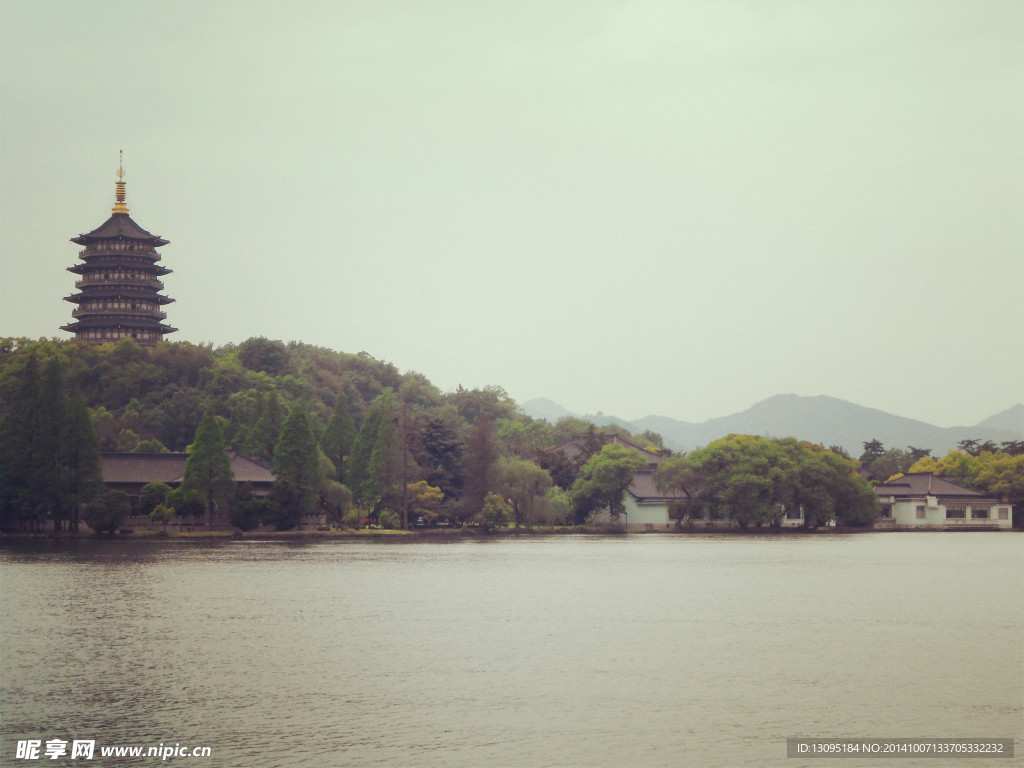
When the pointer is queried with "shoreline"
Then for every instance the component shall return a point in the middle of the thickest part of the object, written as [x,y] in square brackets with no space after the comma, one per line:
[461,533]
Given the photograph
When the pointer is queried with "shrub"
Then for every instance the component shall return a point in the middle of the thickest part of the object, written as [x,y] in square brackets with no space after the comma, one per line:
[105,514]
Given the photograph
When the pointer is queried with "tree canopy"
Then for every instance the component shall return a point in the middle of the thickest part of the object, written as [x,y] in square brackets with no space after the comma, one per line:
[756,480]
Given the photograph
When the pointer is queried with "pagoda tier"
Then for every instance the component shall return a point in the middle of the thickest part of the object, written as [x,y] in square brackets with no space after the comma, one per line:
[119,287]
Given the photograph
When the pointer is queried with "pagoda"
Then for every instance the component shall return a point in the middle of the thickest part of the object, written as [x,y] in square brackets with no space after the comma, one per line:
[119,287]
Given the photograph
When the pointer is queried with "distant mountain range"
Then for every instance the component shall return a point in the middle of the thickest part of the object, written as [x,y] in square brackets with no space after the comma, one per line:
[821,419]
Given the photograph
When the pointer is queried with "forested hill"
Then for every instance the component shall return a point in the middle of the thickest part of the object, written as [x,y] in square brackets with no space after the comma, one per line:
[151,399]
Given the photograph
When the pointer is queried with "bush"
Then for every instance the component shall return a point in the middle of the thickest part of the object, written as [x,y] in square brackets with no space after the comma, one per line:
[185,502]
[495,513]
[247,514]
[162,514]
[602,520]
[105,514]
[152,496]
[389,519]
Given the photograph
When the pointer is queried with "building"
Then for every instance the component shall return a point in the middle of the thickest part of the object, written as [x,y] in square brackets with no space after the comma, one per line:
[923,500]
[646,507]
[119,281]
[129,472]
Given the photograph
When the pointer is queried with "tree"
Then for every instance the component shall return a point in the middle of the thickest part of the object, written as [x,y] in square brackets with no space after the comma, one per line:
[51,405]
[296,468]
[339,436]
[478,468]
[424,500]
[81,466]
[873,449]
[892,462]
[247,511]
[262,354]
[267,430]
[495,512]
[604,478]
[525,486]
[754,480]
[104,515]
[152,495]
[375,464]
[162,514]
[557,507]
[208,469]
[186,503]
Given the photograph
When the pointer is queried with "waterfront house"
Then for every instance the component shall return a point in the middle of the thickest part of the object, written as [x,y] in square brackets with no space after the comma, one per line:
[647,508]
[129,472]
[923,500]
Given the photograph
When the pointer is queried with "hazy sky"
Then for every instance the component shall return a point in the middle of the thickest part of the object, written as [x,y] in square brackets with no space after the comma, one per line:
[675,207]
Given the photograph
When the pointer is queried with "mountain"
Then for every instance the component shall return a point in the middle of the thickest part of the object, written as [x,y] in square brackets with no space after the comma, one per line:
[542,408]
[825,420]
[1010,420]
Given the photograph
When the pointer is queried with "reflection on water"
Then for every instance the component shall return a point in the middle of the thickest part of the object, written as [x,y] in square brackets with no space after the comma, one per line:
[575,651]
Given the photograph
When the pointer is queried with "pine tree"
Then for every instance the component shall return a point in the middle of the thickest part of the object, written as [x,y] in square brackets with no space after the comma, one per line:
[81,466]
[296,470]
[19,449]
[208,469]
[267,430]
[51,405]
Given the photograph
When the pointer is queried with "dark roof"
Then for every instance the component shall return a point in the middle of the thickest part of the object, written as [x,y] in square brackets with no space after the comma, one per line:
[643,489]
[119,225]
[573,448]
[923,484]
[170,468]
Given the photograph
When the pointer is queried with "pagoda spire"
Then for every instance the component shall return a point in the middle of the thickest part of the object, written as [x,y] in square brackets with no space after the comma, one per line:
[120,206]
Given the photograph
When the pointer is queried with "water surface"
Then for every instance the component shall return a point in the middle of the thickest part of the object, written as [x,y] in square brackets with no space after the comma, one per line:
[562,651]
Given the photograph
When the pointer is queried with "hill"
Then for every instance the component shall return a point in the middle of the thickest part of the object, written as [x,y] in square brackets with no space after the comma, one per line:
[825,420]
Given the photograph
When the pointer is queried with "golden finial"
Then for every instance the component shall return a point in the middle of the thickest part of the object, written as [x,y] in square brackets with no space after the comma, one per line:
[120,206]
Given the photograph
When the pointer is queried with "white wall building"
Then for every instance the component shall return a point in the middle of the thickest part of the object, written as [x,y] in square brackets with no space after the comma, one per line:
[923,500]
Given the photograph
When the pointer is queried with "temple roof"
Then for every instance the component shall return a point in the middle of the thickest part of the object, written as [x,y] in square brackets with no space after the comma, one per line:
[119,225]
[170,468]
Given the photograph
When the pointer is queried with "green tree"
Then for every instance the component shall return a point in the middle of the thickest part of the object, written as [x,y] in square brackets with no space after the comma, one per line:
[51,406]
[873,449]
[296,468]
[424,500]
[208,469]
[267,430]
[478,467]
[525,486]
[495,512]
[892,462]
[375,465]
[262,354]
[754,480]
[604,478]
[162,514]
[105,514]
[339,436]
[152,496]
[81,466]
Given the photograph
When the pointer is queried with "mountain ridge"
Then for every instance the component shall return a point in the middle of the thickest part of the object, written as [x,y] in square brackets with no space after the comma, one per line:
[818,418]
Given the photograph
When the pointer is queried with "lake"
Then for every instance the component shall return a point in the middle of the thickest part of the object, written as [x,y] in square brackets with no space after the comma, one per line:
[645,650]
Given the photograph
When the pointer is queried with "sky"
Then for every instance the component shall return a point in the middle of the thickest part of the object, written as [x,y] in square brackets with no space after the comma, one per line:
[673,208]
